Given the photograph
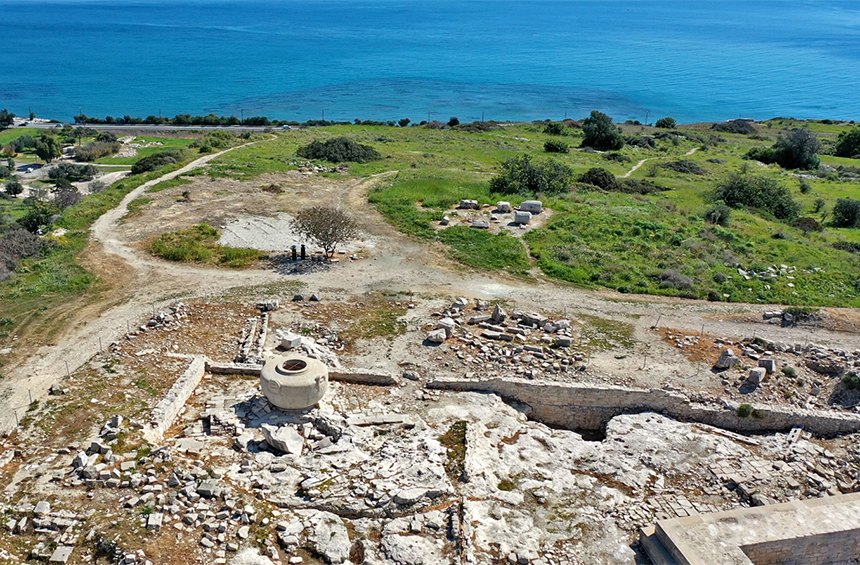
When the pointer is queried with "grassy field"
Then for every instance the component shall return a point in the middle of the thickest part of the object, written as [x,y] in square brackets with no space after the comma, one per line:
[198,244]
[657,243]
[166,144]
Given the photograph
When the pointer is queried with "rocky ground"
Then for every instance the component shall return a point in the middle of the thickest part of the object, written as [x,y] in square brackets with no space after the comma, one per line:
[377,474]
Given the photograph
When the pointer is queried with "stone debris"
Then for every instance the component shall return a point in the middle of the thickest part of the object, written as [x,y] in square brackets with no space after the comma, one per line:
[727,360]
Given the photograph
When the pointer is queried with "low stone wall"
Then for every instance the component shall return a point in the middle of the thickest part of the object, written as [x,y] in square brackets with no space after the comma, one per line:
[233,368]
[169,407]
[363,377]
[589,407]
[841,548]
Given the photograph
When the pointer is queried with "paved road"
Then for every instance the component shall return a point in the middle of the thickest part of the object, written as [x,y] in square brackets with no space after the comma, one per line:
[158,127]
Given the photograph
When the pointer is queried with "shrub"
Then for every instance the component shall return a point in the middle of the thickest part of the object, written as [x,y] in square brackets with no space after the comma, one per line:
[851,381]
[523,176]
[736,126]
[805,187]
[554,128]
[846,213]
[643,141]
[789,372]
[848,144]
[673,279]
[339,150]
[600,133]
[684,166]
[14,188]
[719,215]
[453,121]
[754,191]
[667,122]
[617,157]
[96,150]
[599,177]
[38,214]
[849,246]
[552,146]
[73,172]
[795,149]
[806,224]
[745,411]
[156,161]
[18,244]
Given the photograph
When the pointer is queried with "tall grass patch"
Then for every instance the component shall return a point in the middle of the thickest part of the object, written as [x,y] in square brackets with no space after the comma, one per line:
[198,244]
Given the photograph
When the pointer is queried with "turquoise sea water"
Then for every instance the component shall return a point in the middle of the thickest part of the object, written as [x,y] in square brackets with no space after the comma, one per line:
[388,59]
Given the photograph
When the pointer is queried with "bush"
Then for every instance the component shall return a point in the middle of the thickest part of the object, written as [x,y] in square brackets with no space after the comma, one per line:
[807,225]
[600,178]
[719,215]
[795,149]
[18,244]
[849,246]
[554,128]
[96,150]
[674,279]
[736,126]
[684,166]
[745,411]
[846,213]
[600,133]
[14,188]
[617,157]
[848,144]
[851,381]
[525,177]
[789,372]
[643,141]
[667,122]
[805,187]
[552,146]
[156,161]
[38,214]
[339,150]
[72,172]
[754,191]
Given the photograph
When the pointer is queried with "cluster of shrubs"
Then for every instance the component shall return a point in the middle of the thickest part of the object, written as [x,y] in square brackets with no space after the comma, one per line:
[17,244]
[736,126]
[96,150]
[524,176]
[156,161]
[796,149]
[684,166]
[218,139]
[846,213]
[72,172]
[741,190]
[339,150]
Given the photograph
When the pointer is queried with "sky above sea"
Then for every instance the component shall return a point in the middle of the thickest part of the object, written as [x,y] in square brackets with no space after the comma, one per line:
[384,60]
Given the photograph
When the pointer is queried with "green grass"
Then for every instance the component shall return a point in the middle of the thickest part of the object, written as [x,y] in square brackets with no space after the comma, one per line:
[164,185]
[198,244]
[8,135]
[166,144]
[626,242]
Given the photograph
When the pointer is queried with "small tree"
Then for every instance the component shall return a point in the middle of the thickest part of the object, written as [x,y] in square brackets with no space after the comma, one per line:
[846,213]
[667,122]
[797,149]
[14,188]
[327,226]
[600,133]
[848,144]
[554,128]
[454,121]
[404,122]
[48,148]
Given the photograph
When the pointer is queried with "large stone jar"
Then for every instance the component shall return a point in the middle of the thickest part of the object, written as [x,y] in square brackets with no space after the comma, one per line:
[294,382]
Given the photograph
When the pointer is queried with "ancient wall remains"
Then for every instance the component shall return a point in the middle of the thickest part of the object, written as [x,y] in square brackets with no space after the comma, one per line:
[589,407]
[835,548]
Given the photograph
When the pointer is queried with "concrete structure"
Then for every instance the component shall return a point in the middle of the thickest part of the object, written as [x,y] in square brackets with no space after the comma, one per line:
[533,206]
[294,382]
[589,407]
[522,218]
[817,531]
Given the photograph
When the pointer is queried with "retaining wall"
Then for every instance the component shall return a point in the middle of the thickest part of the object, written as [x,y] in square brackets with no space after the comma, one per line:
[169,407]
[589,407]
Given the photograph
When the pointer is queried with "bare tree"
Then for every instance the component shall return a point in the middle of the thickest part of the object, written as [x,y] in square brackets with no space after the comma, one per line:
[327,226]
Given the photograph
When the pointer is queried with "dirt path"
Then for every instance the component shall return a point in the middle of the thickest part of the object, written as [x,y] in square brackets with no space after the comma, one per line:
[642,162]
[138,284]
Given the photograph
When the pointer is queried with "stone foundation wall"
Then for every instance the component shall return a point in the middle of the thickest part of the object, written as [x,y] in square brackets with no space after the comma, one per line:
[169,407]
[589,407]
[836,548]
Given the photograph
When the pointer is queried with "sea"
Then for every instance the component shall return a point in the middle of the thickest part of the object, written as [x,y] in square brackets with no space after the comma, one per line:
[694,60]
